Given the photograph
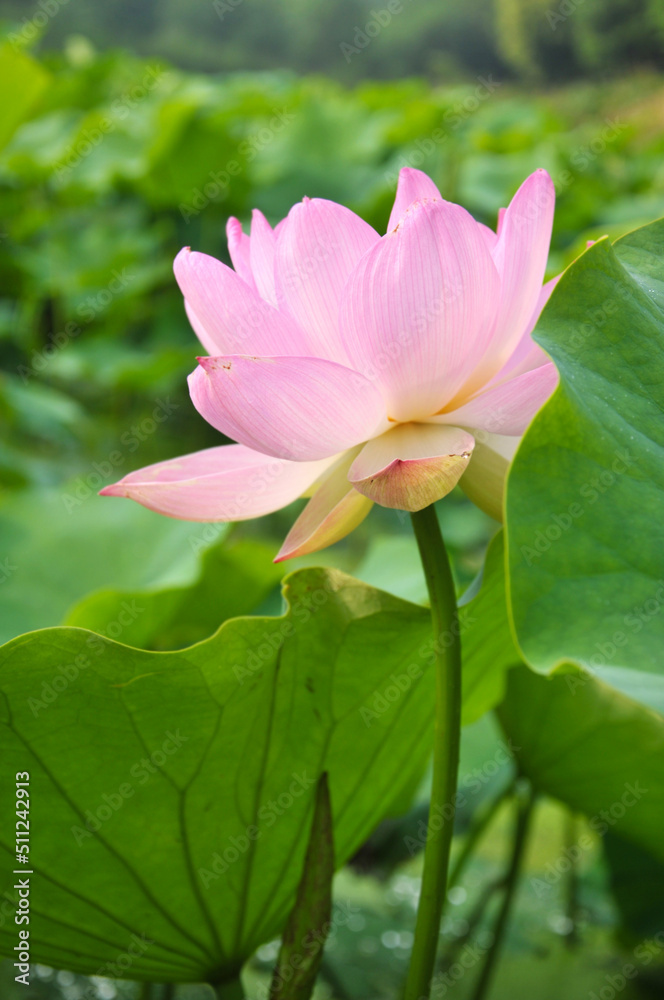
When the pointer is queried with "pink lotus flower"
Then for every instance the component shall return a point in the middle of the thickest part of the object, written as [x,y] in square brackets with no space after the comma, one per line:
[357,369]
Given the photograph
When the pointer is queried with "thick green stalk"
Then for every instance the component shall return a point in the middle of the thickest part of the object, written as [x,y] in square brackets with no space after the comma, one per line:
[447,732]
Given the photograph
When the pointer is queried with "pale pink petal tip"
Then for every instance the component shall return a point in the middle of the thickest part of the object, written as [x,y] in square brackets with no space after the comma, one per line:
[413,185]
[335,509]
[226,483]
[234,228]
[230,309]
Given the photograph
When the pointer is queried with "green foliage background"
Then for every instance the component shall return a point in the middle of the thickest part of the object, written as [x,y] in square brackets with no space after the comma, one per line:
[109,163]
[546,39]
[121,162]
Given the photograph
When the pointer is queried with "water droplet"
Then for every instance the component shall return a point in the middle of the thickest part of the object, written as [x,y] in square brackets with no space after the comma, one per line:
[390,939]
[560,924]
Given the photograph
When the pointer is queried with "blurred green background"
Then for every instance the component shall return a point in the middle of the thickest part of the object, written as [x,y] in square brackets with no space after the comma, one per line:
[130,129]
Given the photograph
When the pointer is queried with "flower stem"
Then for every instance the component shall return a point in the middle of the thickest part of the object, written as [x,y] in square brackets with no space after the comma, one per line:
[572,908]
[525,802]
[473,920]
[447,732]
[481,823]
